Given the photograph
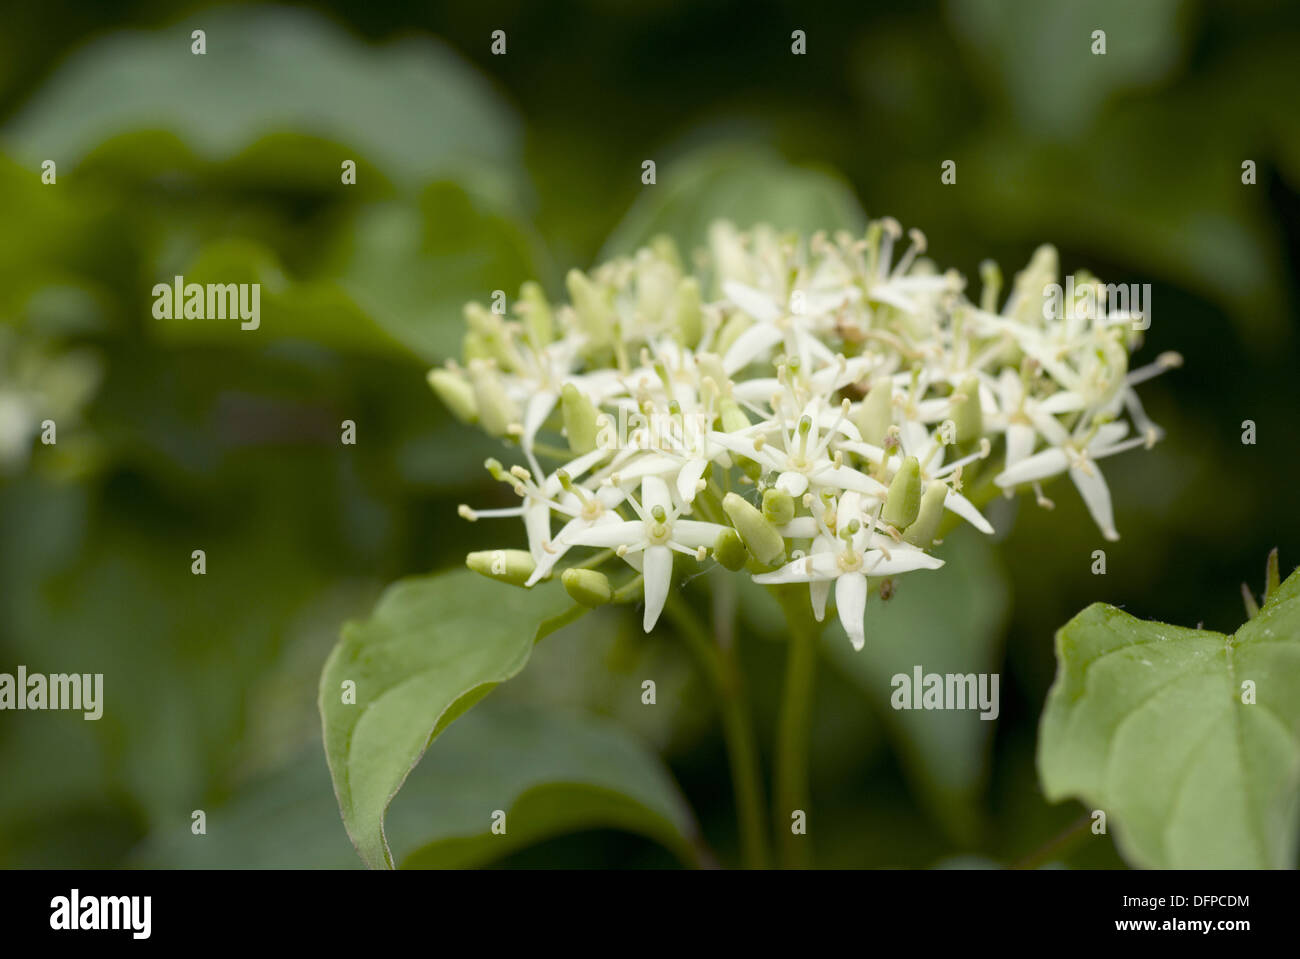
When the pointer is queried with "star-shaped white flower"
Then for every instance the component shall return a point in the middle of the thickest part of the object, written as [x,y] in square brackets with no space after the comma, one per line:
[1079,457]
[855,552]
[656,534]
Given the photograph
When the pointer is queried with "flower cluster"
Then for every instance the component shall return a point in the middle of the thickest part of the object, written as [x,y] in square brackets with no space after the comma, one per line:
[811,410]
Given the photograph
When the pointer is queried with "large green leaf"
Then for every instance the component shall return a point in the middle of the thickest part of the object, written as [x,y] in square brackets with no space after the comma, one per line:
[1147,722]
[947,621]
[412,107]
[548,772]
[433,647]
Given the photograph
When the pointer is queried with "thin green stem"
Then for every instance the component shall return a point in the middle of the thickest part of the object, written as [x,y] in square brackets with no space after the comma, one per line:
[723,673]
[792,798]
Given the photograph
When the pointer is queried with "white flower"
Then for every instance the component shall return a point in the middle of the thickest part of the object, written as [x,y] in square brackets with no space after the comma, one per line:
[656,533]
[1079,456]
[847,559]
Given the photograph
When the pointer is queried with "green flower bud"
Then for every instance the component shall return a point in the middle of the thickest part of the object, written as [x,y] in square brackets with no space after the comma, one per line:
[1027,291]
[537,313]
[760,536]
[710,366]
[512,566]
[778,506]
[594,311]
[496,411]
[666,249]
[876,413]
[474,347]
[456,394]
[733,417]
[731,330]
[579,419]
[729,550]
[922,532]
[967,413]
[904,499]
[489,331]
[589,587]
[689,318]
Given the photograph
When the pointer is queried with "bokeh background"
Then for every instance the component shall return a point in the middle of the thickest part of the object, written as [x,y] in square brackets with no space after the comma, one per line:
[477,172]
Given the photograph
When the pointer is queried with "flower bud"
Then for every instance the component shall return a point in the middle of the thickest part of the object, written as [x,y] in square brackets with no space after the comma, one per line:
[778,506]
[489,332]
[761,538]
[589,587]
[496,411]
[456,394]
[966,412]
[593,309]
[875,414]
[729,550]
[738,323]
[512,566]
[733,417]
[666,249]
[904,500]
[537,314]
[579,419]
[688,317]
[922,532]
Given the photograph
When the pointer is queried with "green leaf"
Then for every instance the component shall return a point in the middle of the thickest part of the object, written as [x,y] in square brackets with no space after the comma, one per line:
[432,648]
[549,773]
[947,621]
[1147,722]
[413,107]
[741,184]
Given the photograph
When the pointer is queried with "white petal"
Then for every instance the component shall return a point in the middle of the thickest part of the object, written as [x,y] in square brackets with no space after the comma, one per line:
[658,573]
[793,482]
[900,561]
[654,492]
[1040,466]
[851,598]
[847,478]
[693,533]
[801,527]
[818,591]
[1096,494]
[750,345]
[966,510]
[689,476]
[539,407]
[754,302]
[537,523]
[619,533]
[806,569]
[1020,442]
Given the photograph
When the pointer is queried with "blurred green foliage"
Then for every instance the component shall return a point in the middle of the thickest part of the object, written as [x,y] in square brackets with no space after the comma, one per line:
[476,172]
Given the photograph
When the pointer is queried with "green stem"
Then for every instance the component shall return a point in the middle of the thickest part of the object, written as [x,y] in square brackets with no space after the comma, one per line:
[794,726]
[723,673]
